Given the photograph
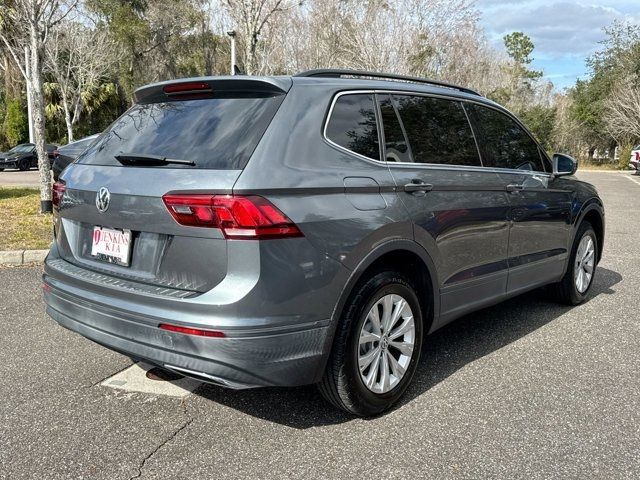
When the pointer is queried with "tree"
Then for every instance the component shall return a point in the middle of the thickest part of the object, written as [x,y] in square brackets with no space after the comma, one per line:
[597,102]
[156,39]
[621,110]
[566,130]
[518,90]
[37,17]
[617,77]
[540,119]
[78,58]
[520,47]
[252,19]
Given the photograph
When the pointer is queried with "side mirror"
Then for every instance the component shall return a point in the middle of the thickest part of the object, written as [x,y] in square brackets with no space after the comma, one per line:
[564,165]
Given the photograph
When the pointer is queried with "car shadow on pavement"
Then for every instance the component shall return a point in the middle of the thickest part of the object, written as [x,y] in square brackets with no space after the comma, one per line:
[445,352]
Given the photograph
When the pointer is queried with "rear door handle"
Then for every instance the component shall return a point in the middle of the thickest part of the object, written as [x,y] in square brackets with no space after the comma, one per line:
[514,187]
[417,186]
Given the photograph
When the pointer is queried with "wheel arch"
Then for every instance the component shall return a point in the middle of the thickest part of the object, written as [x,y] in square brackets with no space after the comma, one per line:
[592,212]
[390,253]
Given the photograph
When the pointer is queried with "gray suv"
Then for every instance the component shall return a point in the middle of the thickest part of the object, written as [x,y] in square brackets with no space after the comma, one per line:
[257,231]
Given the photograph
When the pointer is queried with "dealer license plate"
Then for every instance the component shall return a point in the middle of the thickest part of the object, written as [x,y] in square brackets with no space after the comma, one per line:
[111,245]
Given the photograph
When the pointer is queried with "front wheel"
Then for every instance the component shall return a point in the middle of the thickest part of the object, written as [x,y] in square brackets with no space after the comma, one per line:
[377,346]
[23,165]
[577,281]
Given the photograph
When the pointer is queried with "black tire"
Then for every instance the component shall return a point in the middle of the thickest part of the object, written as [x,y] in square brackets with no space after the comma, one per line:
[1,169]
[565,291]
[341,384]
[23,165]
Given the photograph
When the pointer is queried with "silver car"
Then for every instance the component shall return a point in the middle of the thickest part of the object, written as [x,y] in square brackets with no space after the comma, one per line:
[256,231]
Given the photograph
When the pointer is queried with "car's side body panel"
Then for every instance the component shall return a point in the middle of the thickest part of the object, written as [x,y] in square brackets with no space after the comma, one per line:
[462,223]
[540,218]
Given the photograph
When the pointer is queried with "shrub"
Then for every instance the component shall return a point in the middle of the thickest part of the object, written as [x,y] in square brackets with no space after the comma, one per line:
[624,155]
[16,128]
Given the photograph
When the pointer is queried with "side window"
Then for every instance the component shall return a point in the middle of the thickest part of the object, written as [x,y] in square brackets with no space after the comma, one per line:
[546,164]
[504,143]
[353,125]
[395,143]
[438,130]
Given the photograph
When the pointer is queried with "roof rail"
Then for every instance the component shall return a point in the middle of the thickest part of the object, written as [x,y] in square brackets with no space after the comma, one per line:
[340,73]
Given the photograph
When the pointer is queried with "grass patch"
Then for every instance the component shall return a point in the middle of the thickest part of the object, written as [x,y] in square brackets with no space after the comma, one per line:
[22,226]
[599,166]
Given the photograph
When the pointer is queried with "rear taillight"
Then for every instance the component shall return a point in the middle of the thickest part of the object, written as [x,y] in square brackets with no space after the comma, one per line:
[239,217]
[58,190]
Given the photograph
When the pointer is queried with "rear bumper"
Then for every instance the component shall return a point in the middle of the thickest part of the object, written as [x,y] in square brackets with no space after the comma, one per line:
[254,357]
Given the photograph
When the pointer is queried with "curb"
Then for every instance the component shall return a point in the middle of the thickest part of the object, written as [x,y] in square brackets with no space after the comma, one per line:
[22,257]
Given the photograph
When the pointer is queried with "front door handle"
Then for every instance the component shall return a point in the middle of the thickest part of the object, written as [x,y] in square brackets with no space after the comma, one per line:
[417,185]
[514,187]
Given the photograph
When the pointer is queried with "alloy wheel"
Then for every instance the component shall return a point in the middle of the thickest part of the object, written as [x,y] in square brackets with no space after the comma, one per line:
[584,264]
[386,343]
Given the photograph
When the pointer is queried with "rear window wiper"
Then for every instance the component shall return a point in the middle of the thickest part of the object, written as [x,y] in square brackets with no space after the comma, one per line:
[149,160]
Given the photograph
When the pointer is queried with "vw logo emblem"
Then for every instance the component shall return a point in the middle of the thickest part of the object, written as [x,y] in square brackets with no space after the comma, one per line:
[102,199]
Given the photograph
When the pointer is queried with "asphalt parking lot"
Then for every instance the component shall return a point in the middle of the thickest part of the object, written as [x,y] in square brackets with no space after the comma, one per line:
[16,178]
[526,389]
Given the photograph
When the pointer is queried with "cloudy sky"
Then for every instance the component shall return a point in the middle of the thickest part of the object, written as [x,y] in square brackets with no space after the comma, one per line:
[564,32]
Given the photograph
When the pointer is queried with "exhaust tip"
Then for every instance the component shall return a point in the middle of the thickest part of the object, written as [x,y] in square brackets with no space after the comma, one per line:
[162,375]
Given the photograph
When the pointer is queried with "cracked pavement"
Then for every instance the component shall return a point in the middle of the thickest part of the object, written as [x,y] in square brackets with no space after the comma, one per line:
[526,389]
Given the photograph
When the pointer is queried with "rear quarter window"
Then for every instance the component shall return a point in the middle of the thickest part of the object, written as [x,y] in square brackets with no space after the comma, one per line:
[215,133]
[352,125]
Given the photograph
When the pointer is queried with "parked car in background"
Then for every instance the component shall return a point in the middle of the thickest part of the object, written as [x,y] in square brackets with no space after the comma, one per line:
[68,153]
[280,231]
[24,156]
[634,161]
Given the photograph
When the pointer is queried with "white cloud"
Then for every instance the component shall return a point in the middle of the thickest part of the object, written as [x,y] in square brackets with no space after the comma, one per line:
[557,28]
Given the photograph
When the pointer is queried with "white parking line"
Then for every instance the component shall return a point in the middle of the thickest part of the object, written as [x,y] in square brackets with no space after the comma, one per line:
[634,180]
[134,379]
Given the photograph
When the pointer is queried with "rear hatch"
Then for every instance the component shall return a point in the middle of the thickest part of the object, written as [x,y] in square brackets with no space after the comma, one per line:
[186,137]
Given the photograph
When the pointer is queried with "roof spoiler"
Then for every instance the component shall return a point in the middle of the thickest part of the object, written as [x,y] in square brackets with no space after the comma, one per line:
[208,87]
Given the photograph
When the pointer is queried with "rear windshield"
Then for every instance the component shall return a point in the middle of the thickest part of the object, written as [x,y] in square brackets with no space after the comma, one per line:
[78,146]
[214,133]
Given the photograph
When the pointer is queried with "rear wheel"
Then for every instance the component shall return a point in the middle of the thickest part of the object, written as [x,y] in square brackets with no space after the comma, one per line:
[376,347]
[575,285]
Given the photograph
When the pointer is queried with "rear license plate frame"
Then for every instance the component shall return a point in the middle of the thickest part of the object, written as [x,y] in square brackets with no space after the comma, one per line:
[111,245]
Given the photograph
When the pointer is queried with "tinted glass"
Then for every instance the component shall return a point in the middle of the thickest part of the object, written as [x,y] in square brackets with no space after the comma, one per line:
[505,144]
[77,147]
[23,148]
[215,133]
[353,125]
[438,130]
[395,143]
